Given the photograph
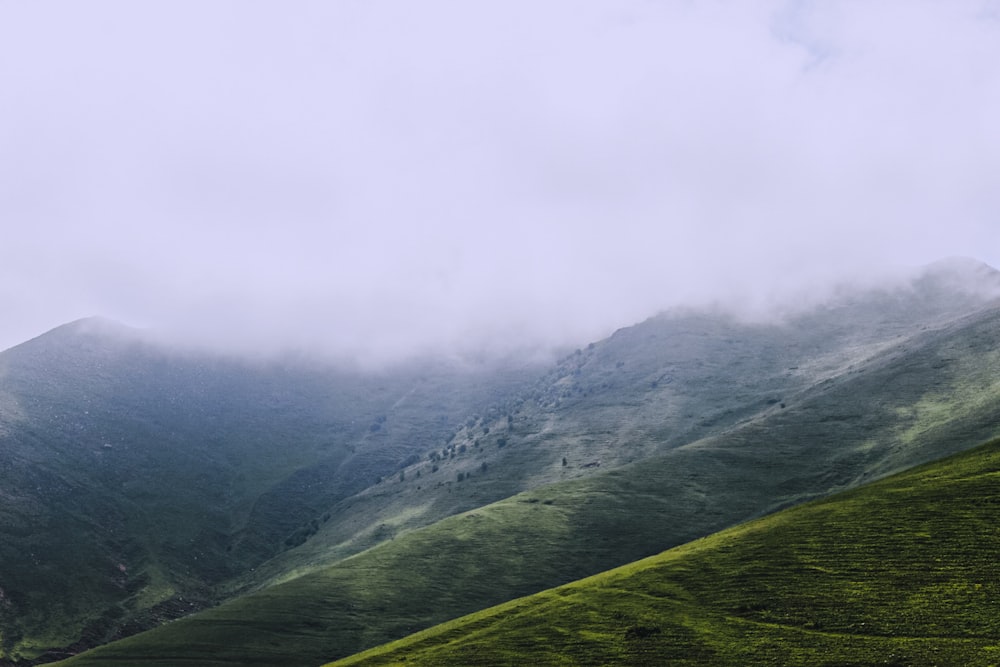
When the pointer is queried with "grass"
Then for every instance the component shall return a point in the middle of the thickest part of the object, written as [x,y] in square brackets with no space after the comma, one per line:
[902,571]
[831,436]
[460,564]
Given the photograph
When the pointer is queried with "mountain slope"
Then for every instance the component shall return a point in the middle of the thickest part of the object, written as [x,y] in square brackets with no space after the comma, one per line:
[135,480]
[901,571]
[661,384]
[916,398]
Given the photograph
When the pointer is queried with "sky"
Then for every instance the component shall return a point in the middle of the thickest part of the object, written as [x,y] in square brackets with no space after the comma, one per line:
[378,178]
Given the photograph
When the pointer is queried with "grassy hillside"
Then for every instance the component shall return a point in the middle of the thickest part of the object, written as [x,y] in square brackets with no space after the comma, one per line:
[900,572]
[928,396]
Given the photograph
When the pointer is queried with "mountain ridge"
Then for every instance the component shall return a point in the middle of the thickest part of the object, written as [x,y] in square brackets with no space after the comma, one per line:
[141,479]
[560,388]
[868,405]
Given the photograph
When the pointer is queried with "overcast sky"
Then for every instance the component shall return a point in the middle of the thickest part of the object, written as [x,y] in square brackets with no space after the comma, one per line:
[380,176]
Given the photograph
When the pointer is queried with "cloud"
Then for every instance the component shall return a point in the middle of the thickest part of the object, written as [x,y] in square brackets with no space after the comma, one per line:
[384,177]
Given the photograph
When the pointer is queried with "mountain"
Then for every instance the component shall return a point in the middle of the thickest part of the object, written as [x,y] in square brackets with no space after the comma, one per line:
[136,480]
[663,433]
[669,381]
[899,572]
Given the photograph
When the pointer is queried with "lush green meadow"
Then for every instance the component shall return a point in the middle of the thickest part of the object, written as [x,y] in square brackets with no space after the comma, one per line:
[902,572]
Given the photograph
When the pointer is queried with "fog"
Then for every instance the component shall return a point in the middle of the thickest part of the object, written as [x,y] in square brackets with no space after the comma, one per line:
[380,178]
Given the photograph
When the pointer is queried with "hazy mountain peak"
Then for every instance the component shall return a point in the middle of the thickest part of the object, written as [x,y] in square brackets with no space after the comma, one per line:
[98,325]
[95,325]
[958,279]
[87,335]
[964,272]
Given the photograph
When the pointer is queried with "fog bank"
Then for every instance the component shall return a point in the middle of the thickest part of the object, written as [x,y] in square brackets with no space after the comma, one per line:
[382,178]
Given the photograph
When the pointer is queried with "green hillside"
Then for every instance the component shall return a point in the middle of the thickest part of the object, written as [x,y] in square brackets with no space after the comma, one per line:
[928,396]
[900,572]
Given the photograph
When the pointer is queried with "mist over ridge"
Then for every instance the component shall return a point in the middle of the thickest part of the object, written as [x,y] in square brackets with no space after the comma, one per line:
[513,336]
[386,179]
[494,330]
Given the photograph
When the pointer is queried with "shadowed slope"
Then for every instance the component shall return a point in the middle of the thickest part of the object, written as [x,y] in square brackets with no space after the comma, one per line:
[135,480]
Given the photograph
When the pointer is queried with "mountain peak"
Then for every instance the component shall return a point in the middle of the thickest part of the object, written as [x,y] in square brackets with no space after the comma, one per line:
[88,334]
[97,325]
[963,275]
[962,265]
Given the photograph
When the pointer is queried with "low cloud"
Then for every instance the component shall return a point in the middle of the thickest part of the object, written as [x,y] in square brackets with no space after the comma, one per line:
[379,179]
